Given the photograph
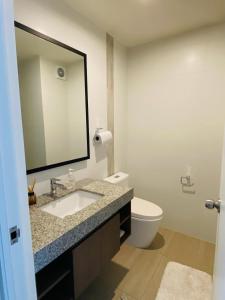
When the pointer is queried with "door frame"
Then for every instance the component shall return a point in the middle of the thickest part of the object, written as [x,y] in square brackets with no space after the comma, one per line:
[17,276]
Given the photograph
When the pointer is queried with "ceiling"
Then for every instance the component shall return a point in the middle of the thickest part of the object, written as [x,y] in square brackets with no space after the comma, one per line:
[134,22]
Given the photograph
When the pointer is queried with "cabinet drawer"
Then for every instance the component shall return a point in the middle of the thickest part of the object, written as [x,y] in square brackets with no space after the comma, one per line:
[110,239]
[94,252]
[86,262]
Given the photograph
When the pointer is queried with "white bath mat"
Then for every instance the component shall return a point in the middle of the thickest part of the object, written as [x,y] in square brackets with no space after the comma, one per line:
[181,282]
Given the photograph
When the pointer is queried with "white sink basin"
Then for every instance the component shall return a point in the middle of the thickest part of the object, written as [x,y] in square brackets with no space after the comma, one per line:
[71,203]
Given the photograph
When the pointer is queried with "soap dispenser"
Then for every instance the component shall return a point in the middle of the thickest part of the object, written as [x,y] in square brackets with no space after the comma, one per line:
[71,179]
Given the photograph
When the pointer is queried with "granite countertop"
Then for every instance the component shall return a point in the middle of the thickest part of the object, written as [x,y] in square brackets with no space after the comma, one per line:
[52,236]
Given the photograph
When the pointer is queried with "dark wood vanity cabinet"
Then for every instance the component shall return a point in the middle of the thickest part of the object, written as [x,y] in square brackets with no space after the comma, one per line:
[94,252]
[71,273]
[110,239]
[86,263]
[55,281]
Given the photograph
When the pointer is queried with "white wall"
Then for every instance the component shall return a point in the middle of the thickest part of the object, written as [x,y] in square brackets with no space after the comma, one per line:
[120,105]
[54,103]
[76,110]
[45,99]
[58,21]
[32,112]
[176,113]
[64,101]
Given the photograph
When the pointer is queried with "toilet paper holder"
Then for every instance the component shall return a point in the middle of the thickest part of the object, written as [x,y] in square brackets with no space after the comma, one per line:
[102,136]
[96,138]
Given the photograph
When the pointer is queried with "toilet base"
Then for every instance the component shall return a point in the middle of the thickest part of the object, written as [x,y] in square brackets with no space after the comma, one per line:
[143,232]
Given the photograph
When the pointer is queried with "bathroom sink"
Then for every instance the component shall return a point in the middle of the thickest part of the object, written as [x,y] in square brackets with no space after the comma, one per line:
[70,204]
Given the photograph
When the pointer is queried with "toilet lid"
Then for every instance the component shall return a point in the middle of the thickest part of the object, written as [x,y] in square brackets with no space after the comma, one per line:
[143,209]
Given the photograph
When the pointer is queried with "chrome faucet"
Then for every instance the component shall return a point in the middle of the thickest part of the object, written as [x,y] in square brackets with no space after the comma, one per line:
[54,185]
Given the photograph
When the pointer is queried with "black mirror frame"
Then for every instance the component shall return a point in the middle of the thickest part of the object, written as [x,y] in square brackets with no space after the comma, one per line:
[84,55]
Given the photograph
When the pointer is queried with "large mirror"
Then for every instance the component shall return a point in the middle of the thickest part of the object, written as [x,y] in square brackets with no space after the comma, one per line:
[54,103]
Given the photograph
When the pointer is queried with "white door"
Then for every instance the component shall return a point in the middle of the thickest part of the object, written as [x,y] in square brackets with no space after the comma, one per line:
[219,269]
[17,281]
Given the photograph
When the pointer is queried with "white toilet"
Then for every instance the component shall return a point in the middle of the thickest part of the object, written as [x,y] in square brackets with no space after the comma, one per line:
[146,216]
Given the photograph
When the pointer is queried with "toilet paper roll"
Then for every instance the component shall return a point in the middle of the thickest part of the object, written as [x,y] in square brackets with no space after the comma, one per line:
[103,137]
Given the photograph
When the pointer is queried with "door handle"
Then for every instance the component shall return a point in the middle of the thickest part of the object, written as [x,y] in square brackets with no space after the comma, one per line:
[210,204]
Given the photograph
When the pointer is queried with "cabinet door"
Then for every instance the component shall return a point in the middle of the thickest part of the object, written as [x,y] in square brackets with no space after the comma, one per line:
[110,239]
[86,262]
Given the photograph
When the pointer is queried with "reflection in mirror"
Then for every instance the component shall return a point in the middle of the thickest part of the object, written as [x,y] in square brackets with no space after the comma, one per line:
[53,95]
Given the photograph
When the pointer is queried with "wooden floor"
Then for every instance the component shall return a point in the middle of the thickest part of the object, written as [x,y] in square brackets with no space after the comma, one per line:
[135,274]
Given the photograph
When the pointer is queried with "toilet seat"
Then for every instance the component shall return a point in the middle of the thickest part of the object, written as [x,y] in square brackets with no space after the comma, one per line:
[145,210]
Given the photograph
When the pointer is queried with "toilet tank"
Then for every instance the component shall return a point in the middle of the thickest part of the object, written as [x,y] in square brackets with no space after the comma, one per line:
[119,178]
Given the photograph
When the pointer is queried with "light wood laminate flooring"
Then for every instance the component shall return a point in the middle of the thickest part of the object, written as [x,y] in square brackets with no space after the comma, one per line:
[135,274]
